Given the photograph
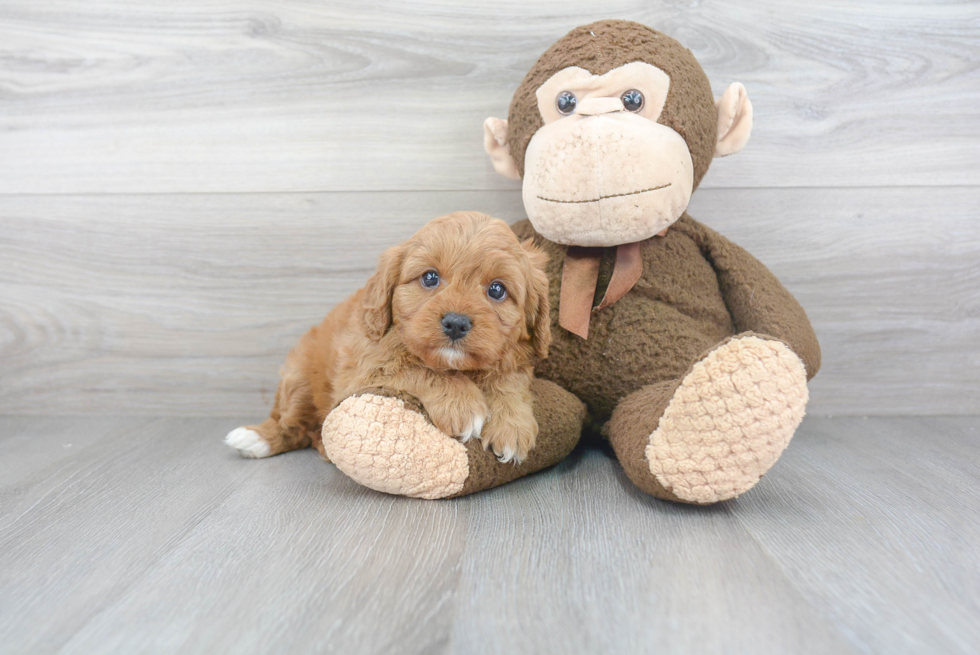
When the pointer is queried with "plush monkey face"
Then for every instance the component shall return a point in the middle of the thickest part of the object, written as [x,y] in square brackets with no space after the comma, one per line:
[612,129]
[589,177]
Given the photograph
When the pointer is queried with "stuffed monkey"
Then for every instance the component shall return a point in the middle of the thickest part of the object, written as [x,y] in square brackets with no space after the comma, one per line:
[673,342]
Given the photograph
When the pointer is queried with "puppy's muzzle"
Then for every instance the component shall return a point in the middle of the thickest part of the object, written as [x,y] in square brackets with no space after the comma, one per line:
[456,325]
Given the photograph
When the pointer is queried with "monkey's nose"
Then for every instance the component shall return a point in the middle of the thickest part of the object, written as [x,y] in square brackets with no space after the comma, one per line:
[596,106]
[456,325]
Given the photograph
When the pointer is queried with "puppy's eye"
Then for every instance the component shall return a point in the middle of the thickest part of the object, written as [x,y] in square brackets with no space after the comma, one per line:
[566,102]
[496,291]
[430,279]
[632,100]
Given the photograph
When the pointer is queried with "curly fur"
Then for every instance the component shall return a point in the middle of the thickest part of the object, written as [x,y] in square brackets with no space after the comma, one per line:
[389,335]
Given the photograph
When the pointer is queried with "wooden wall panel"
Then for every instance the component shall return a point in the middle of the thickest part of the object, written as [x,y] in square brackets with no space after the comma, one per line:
[187,304]
[185,188]
[220,96]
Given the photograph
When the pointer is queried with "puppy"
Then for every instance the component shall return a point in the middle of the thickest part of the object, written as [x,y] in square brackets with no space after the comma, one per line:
[455,317]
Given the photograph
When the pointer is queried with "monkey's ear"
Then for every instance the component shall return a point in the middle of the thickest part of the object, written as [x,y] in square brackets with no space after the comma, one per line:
[495,143]
[734,120]
[378,293]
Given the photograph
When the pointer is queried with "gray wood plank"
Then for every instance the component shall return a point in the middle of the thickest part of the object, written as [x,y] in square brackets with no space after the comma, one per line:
[158,540]
[874,520]
[37,442]
[187,304]
[300,559]
[588,564]
[216,96]
[384,575]
[74,535]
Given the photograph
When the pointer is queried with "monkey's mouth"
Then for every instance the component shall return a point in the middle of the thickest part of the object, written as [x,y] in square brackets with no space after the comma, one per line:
[614,195]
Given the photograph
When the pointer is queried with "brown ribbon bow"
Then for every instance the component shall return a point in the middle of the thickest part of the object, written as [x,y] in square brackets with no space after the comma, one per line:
[578,283]
[580,275]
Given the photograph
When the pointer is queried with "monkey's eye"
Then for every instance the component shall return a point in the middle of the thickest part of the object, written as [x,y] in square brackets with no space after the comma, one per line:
[566,102]
[632,100]
[430,279]
[496,290]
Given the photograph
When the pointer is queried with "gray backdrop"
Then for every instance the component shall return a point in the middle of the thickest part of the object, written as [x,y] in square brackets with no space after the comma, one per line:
[184,189]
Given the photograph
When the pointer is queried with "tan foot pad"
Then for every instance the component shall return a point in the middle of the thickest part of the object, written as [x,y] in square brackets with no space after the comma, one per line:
[729,421]
[383,445]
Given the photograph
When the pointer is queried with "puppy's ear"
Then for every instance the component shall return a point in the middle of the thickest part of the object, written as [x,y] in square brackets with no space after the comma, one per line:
[537,309]
[378,293]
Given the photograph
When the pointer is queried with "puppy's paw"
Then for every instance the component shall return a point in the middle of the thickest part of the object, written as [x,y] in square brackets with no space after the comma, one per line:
[511,437]
[474,429]
[458,418]
[248,443]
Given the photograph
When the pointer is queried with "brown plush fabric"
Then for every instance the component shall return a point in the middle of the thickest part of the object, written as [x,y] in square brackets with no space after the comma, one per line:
[560,416]
[635,419]
[599,48]
[697,290]
[756,299]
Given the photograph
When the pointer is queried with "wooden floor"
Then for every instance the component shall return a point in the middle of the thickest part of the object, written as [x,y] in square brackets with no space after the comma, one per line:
[144,535]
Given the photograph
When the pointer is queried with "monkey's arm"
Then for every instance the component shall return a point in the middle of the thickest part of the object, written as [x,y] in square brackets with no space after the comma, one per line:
[756,299]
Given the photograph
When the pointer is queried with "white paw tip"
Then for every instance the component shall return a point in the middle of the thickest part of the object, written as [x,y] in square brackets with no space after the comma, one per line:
[509,455]
[474,429]
[248,443]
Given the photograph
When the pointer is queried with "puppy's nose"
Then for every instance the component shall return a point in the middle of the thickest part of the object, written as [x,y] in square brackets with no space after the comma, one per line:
[456,325]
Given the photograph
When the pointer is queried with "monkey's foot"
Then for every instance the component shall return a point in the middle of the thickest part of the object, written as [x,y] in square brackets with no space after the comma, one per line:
[729,420]
[387,443]
[712,435]
[384,445]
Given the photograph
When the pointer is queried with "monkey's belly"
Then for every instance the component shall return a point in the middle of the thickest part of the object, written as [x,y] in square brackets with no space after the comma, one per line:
[636,342]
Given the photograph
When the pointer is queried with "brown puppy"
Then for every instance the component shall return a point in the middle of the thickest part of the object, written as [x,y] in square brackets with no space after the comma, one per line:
[454,317]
